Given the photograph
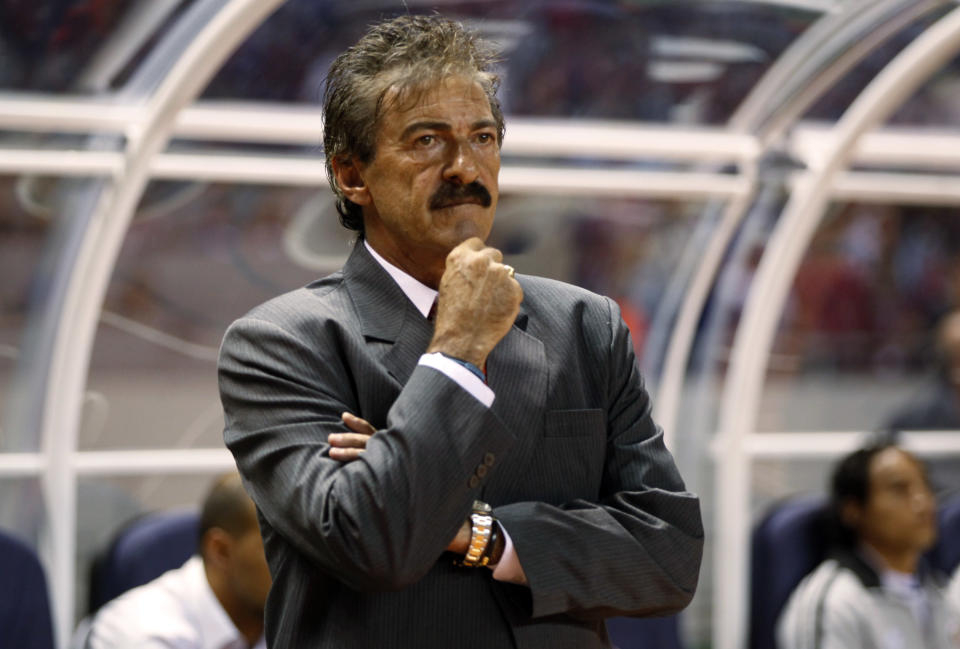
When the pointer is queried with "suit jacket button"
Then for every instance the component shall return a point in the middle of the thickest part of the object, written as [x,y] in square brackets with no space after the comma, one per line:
[474,482]
[481,471]
[489,459]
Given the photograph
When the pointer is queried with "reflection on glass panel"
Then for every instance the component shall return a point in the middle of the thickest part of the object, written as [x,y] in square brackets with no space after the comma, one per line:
[686,62]
[24,226]
[195,258]
[855,345]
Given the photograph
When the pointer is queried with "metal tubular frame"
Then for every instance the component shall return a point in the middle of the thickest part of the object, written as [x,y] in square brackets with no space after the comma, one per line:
[91,274]
[150,127]
[754,336]
[774,96]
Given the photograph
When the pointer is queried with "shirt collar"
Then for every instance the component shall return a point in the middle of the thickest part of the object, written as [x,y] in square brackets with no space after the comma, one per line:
[420,294]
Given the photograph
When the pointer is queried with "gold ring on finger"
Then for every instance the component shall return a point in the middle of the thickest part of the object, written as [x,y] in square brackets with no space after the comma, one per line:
[510,270]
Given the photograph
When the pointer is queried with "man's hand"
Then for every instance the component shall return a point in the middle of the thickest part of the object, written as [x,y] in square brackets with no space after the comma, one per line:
[461,542]
[348,446]
[477,304]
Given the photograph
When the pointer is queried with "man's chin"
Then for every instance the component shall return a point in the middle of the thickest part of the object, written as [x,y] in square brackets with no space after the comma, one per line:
[466,229]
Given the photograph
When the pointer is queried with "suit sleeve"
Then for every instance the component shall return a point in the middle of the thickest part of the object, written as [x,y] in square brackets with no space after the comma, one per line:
[362,522]
[637,550]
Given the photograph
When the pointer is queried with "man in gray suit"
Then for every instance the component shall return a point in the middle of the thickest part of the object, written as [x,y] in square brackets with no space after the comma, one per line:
[511,489]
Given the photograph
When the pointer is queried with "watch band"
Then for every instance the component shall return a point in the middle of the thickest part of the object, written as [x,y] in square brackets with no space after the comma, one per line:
[482,525]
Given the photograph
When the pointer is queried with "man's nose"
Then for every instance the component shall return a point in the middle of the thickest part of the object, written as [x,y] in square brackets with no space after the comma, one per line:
[461,165]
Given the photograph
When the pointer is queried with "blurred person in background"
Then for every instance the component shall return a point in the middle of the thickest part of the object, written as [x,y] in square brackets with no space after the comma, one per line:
[938,407]
[214,601]
[874,591]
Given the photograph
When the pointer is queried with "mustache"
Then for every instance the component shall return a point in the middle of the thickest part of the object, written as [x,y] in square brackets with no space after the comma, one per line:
[450,194]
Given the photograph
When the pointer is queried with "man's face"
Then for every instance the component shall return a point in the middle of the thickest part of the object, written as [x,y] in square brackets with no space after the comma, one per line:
[900,512]
[432,182]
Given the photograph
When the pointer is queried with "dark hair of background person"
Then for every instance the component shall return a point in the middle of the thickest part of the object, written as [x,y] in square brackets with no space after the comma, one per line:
[406,53]
[227,506]
[850,482]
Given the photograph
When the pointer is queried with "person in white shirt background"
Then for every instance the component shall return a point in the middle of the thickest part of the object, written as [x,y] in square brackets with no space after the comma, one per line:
[214,601]
[874,590]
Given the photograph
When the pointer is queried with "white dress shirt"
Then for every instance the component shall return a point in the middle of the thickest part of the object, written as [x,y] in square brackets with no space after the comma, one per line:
[423,297]
[953,594]
[177,610]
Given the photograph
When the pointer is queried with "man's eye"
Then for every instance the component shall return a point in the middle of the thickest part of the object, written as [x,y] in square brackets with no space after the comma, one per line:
[425,140]
[485,138]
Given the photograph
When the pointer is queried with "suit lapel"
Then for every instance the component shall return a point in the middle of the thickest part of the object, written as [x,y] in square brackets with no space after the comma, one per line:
[386,314]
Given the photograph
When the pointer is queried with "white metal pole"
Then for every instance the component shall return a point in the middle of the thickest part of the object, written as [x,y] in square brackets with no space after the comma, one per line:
[95,262]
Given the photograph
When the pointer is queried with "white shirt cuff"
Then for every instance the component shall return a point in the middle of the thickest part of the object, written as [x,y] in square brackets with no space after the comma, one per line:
[509,568]
[461,376]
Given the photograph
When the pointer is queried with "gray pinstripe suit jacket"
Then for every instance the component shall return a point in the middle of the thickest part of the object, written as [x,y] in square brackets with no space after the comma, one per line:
[568,456]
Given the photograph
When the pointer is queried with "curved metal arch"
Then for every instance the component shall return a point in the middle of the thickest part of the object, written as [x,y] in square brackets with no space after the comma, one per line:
[778,266]
[817,58]
[229,23]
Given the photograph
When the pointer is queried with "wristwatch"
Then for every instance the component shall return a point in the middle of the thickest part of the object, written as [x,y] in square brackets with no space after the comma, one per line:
[482,525]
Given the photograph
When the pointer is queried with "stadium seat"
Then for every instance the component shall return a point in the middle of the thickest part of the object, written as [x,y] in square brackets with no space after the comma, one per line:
[25,621]
[645,633]
[788,543]
[142,551]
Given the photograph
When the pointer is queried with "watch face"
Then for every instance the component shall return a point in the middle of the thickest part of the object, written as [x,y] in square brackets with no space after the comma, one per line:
[481,507]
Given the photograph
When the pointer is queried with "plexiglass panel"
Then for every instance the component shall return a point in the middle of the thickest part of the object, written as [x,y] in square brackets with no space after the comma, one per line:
[77,46]
[195,258]
[855,347]
[199,256]
[835,101]
[24,229]
[688,62]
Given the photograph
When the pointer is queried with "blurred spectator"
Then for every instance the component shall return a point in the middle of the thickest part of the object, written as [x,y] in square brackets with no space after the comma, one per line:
[45,45]
[873,590]
[938,408]
[214,601]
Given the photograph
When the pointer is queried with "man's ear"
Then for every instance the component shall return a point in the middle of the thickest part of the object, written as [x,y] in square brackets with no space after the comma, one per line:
[350,180]
[217,546]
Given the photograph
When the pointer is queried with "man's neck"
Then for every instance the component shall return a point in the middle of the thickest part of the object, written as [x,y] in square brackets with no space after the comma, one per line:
[902,561]
[249,623]
[426,269]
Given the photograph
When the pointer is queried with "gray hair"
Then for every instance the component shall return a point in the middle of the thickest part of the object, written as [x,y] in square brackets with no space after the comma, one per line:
[408,53]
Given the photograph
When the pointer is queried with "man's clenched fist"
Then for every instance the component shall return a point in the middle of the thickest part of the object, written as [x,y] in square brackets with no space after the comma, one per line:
[478,302]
